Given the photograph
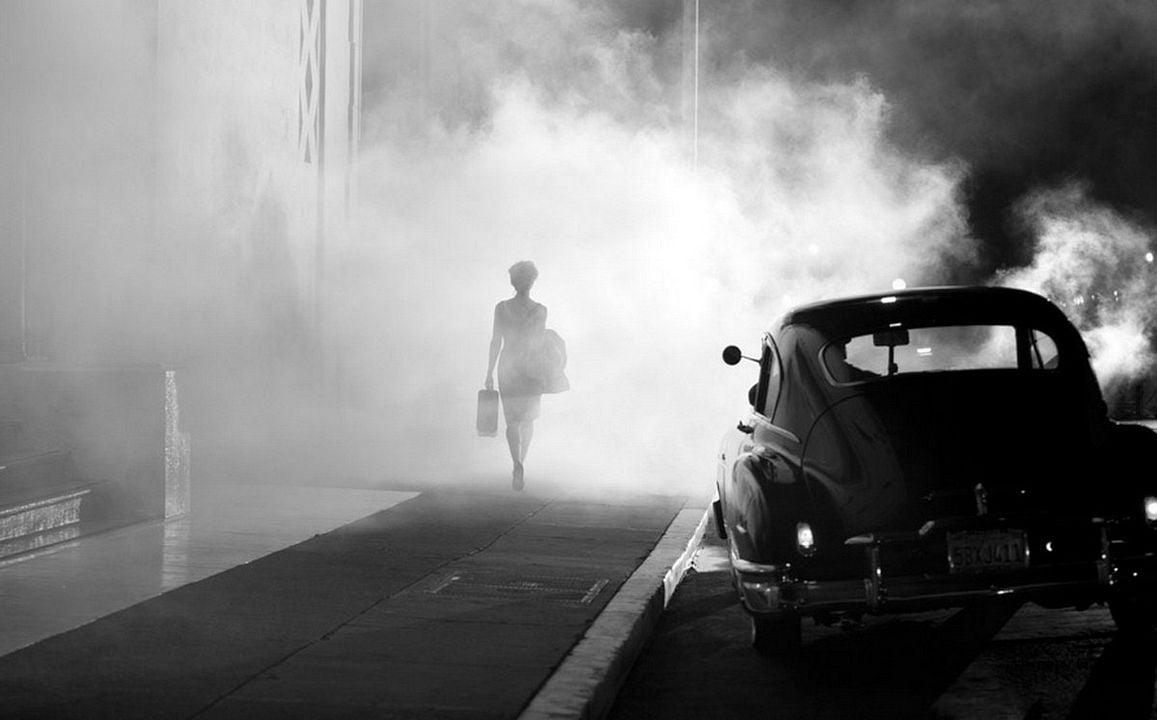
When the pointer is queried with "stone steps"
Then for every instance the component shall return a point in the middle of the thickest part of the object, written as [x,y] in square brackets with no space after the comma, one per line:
[41,497]
[33,474]
[64,425]
[36,524]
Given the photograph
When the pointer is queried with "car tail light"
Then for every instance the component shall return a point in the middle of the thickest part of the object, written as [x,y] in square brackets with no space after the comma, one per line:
[805,540]
[1151,509]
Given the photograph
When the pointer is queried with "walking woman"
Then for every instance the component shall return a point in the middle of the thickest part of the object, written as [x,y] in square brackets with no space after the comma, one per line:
[519,323]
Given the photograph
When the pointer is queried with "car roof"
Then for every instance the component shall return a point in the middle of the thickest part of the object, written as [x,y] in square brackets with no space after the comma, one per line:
[955,305]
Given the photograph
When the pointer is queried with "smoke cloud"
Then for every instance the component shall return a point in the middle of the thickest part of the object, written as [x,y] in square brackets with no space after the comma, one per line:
[569,153]
[1049,111]
[1026,95]
[841,145]
[1095,264]
[834,147]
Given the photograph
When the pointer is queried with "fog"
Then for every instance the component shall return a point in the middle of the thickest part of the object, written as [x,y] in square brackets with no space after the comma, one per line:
[1026,95]
[1094,263]
[650,263]
[840,146]
[834,148]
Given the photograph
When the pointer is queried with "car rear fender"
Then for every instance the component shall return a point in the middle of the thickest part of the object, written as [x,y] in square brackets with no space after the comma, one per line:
[1131,456]
[764,503]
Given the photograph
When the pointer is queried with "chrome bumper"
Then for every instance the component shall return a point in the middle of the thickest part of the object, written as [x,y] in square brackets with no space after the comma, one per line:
[771,589]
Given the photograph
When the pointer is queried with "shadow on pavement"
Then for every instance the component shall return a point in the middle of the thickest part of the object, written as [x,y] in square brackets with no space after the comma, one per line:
[700,664]
[897,668]
[1121,684]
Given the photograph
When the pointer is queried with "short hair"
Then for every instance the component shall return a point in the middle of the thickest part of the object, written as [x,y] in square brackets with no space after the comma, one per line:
[522,273]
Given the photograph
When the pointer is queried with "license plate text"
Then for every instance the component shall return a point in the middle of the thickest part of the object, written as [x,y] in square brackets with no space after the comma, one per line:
[986,550]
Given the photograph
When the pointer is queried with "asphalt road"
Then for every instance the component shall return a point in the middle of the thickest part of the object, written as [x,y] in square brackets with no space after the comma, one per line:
[992,662]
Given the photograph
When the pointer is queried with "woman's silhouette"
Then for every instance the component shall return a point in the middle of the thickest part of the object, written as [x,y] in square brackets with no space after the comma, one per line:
[518,325]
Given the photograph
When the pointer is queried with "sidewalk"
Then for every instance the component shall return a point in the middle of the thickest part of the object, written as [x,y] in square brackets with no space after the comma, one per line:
[449,605]
[58,588]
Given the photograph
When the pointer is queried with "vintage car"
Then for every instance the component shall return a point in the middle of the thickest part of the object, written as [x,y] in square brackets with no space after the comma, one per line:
[932,448]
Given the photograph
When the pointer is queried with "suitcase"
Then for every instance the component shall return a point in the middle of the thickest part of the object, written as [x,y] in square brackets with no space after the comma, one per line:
[487,413]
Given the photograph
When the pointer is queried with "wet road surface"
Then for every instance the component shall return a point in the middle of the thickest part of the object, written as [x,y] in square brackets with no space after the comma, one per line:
[64,586]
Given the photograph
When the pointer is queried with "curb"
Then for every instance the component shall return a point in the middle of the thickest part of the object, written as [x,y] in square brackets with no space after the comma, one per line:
[585,685]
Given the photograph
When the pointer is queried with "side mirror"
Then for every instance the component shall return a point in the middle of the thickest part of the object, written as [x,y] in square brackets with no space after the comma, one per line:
[732,355]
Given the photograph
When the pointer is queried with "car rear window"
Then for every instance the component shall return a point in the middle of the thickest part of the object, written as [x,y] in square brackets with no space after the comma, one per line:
[899,350]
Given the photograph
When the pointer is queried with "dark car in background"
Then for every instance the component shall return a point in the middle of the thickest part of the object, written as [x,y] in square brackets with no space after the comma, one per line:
[932,448]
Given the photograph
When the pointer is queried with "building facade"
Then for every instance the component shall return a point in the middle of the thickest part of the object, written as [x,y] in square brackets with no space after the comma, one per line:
[174,181]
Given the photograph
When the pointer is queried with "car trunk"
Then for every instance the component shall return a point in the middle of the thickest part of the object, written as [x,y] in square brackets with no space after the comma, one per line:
[895,453]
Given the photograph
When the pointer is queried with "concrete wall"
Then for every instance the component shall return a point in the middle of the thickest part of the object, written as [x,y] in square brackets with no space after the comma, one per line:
[160,203]
[257,131]
[121,424]
[76,174]
[254,153]
[152,161]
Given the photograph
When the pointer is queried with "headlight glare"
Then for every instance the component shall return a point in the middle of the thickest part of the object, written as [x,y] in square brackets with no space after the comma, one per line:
[1151,509]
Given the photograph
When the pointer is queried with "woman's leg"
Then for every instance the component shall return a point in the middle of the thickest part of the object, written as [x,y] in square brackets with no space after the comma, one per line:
[520,416]
[518,435]
[514,440]
[525,434]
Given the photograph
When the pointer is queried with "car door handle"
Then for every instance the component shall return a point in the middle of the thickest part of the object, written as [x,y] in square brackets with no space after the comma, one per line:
[745,428]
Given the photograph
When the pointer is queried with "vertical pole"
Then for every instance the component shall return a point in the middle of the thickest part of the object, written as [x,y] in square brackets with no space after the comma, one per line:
[320,239]
[23,257]
[426,30]
[695,99]
[689,93]
[354,108]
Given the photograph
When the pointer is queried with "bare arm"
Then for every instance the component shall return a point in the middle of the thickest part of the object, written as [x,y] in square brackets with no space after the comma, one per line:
[540,319]
[495,346]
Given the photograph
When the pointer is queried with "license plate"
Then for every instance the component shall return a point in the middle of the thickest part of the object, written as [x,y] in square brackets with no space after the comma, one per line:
[987,550]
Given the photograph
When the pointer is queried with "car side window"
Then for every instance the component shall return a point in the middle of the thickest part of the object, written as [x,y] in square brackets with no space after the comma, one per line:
[1044,351]
[770,381]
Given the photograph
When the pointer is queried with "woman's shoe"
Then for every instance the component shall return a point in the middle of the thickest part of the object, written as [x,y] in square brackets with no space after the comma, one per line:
[516,482]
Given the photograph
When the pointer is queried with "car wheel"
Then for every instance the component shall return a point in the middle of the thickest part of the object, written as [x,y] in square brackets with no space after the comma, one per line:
[1134,612]
[775,635]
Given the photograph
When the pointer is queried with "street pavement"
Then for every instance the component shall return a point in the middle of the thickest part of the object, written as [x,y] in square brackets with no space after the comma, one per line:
[993,661]
[452,604]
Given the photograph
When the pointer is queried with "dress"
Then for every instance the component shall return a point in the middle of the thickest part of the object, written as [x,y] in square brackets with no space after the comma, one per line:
[518,385]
